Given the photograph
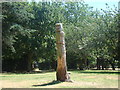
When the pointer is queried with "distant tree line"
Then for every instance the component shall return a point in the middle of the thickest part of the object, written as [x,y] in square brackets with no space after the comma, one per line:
[29,40]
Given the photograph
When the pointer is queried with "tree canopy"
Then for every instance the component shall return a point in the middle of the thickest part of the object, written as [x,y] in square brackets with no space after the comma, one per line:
[28,35]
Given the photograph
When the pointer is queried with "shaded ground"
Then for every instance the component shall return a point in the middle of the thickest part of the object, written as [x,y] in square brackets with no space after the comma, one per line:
[81,79]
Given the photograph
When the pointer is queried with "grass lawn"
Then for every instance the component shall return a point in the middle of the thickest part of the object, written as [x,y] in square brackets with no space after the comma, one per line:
[81,79]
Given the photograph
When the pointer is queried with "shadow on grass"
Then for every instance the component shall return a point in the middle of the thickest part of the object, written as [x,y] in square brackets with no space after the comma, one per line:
[98,72]
[28,72]
[102,72]
[50,83]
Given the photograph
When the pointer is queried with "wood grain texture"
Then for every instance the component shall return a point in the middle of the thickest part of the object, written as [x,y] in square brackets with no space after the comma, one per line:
[61,54]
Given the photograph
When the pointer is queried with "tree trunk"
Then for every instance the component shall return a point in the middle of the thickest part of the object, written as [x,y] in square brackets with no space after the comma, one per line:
[102,67]
[29,61]
[103,62]
[112,64]
[87,62]
[113,67]
[98,64]
[61,73]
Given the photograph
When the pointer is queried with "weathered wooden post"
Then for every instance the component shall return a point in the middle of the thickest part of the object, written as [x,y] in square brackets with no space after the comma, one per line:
[61,73]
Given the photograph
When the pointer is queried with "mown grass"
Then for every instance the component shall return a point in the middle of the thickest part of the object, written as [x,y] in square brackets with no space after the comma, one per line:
[81,79]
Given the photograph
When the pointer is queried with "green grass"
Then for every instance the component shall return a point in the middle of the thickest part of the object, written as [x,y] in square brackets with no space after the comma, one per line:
[81,79]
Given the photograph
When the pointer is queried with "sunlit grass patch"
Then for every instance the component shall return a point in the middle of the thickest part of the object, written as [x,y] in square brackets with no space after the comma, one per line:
[81,79]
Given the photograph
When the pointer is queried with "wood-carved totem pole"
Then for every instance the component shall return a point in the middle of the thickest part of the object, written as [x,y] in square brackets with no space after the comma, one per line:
[61,73]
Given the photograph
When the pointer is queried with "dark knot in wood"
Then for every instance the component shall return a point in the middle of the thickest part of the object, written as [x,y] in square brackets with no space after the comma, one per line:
[60,43]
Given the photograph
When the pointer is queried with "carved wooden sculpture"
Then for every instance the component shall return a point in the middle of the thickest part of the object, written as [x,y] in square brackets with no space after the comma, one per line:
[61,74]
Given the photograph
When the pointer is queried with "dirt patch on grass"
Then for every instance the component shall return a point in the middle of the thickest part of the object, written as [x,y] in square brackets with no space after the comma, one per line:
[79,84]
[91,77]
[10,84]
[114,78]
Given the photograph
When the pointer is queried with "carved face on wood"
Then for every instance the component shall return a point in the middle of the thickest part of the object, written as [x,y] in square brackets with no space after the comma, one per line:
[59,26]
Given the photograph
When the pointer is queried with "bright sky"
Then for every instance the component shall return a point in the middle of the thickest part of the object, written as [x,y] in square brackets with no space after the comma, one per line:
[99,4]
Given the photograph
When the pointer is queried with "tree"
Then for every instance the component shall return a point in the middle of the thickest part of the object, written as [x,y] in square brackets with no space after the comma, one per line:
[29,35]
[15,24]
[94,35]
[118,25]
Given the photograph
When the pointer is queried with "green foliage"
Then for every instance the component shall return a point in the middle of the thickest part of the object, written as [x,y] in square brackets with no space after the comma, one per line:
[29,34]
[91,35]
